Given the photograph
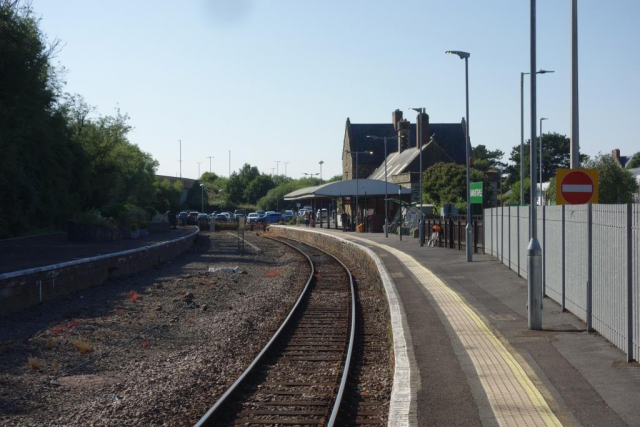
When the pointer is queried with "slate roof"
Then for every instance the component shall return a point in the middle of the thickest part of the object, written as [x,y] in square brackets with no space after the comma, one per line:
[449,136]
[396,163]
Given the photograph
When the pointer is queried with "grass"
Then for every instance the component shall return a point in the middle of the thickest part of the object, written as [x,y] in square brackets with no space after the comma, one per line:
[34,363]
[82,346]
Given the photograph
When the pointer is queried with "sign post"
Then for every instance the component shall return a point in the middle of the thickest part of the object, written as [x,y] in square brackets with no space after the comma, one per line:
[576,186]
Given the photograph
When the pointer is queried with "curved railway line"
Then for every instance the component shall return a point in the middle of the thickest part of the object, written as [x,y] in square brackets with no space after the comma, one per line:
[300,376]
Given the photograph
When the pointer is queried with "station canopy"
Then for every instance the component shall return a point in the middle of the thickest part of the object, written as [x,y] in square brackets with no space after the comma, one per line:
[370,187]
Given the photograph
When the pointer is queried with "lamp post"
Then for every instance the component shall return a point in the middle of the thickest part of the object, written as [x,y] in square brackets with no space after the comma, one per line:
[180,141]
[357,180]
[229,163]
[285,168]
[272,169]
[199,163]
[386,196]
[534,251]
[419,126]
[541,119]
[310,175]
[321,162]
[202,187]
[522,131]
[210,157]
[468,243]
[277,167]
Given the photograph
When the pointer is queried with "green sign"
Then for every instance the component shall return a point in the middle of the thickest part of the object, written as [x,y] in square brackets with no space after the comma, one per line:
[476,192]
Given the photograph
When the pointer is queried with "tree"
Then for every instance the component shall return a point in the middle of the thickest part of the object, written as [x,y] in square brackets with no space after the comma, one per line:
[555,155]
[616,185]
[447,183]
[484,159]
[258,188]
[335,178]
[208,177]
[635,161]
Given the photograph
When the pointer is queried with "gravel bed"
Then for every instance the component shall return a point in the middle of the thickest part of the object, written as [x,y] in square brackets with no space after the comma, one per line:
[156,348]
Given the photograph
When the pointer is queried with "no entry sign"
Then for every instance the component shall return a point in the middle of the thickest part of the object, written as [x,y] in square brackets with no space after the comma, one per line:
[576,186]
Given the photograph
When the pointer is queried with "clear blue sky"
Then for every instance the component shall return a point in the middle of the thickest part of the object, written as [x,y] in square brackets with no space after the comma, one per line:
[276,80]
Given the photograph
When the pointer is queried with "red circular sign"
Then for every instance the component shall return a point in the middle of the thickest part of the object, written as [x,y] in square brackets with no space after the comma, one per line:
[577,188]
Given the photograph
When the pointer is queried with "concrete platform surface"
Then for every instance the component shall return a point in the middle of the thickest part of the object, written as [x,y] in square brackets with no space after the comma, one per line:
[479,364]
[39,251]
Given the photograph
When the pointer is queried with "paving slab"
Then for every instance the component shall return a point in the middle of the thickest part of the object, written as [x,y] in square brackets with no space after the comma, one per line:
[478,362]
[39,251]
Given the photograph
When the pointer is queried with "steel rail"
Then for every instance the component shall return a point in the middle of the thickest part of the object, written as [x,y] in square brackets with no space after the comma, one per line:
[222,400]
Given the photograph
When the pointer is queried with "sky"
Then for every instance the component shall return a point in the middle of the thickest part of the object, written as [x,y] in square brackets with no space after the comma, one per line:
[275,80]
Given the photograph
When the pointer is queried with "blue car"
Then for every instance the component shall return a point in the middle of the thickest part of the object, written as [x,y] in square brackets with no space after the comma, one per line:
[272,217]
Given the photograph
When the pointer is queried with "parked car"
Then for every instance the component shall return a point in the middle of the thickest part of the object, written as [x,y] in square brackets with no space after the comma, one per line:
[192,218]
[272,217]
[252,217]
[183,217]
[222,217]
[288,215]
[240,212]
[325,214]
[203,217]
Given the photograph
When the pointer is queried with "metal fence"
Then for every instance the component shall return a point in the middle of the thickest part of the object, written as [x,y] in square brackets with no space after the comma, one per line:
[590,262]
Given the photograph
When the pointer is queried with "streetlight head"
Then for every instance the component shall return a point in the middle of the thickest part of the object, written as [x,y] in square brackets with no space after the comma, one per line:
[370,152]
[418,110]
[201,185]
[462,55]
[545,72]
[543,118]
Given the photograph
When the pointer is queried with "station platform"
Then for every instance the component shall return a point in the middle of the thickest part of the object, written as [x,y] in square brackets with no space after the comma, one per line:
[24,253]
[475,361]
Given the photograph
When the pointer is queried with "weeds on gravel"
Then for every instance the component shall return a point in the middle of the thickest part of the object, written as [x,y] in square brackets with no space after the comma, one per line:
[274,272]
[82,346]
[57,331]
[72,324]
[51,343]
[133,296]
[34,363]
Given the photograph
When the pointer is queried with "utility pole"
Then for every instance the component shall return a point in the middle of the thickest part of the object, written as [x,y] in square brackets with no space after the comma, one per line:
[210,157]
[575,116]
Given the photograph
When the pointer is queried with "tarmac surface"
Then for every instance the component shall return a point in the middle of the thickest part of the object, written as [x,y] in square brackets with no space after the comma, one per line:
[479,364]
[38,251]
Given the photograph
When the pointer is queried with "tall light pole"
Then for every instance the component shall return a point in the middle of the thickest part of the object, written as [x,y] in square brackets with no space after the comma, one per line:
[285,168]
[180,141]
[357,179]
[277,167]
[574,153]
[272,169]
[522,131]
[420,130]
[210,157]
[321,162]
[202,187]
[229,163]
[541,119]
[386,195]
[469,244]
[199,163]
[534,251]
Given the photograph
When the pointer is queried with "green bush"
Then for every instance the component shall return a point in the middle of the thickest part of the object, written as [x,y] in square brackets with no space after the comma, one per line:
[134,226]
[143,224]
[93,217]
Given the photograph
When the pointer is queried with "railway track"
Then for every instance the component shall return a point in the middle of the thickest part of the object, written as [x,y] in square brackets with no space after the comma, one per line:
[300,376]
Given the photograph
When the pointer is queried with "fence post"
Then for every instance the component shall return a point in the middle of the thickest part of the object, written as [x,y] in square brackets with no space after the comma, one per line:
[491,236]
[440,234]
[475,236]
[509,235]
[629,283]
[518,237]
[589,268]
[451,239]
[564,307]
[544,250]
[502,234]
[484,230]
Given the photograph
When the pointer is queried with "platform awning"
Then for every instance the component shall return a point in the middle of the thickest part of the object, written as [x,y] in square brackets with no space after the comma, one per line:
[370,187]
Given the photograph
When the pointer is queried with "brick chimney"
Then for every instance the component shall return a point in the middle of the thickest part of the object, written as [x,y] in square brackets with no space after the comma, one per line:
[616,154]
[422,120]
[396,117]
[404,129]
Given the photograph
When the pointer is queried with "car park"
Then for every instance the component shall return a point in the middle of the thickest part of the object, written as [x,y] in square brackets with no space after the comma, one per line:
[272,217]
[223,217]
[203,217]
[325,214]
[182,217]
[252,217]
[288,215]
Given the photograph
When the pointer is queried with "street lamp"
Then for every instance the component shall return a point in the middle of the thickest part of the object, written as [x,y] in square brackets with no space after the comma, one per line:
[180,141]
[210,157]
[534,251]
[202,187]
[522,131]
[357,181]
[419,126]
[199,163]
[386,205]
[321,162]
[285,168]
[310,175]
[277,167]
[541,119]
[229,163]
[468,245]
